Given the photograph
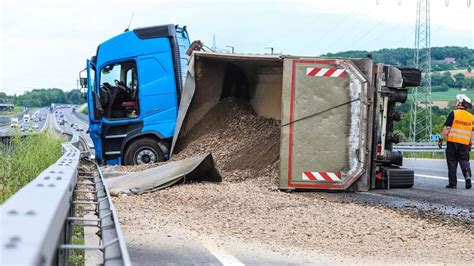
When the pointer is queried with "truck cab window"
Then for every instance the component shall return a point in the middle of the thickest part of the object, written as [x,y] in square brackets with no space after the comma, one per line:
[119,90]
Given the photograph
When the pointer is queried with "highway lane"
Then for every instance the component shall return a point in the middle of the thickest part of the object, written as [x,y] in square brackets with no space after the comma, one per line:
[42,112]
[429,192]
[172,244]
[71,118]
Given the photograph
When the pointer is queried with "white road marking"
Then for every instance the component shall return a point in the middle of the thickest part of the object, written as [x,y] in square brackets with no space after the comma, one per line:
[437,177]
[46,122]
[222,255]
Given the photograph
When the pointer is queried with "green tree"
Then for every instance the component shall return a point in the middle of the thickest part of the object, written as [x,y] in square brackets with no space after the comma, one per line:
[45,97]
[468,84]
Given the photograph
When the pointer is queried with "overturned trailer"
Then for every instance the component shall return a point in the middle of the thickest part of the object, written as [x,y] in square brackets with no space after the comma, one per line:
[336,115]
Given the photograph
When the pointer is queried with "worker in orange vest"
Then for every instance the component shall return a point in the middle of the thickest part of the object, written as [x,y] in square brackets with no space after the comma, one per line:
[459,134]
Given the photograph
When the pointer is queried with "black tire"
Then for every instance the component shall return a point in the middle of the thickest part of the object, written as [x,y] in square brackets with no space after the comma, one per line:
[143,151]
[401,178]
[411,77]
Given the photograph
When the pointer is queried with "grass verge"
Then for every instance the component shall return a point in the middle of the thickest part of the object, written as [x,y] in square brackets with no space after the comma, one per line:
[83,109]
[16,110]
[27,157]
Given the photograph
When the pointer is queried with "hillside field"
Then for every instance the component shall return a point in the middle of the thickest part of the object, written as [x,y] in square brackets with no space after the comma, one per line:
[450,95]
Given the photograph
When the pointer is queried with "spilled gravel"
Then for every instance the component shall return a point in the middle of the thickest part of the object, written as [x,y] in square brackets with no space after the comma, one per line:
[281,221]
[248,207]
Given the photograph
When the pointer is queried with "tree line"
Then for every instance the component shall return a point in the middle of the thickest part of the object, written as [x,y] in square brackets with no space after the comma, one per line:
[445,81]
[45,97]
[405,56]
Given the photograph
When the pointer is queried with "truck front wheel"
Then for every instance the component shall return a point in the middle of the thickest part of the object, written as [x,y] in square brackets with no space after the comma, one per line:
[143,151]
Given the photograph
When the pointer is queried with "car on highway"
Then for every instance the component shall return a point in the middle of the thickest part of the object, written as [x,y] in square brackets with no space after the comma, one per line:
[24,127]
[79,128]
[61,122]
[36,126]
[26,118]
[14,122]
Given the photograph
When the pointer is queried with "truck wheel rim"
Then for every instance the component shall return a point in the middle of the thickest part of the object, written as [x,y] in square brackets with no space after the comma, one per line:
[146,156]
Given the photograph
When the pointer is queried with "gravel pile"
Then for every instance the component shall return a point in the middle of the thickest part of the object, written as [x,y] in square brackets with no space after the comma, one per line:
[243,144]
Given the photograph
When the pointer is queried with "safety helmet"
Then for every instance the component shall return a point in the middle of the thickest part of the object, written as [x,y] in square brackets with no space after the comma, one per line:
[464,100]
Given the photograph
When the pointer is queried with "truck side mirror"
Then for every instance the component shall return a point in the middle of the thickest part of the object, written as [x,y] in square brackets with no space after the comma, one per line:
[83,82]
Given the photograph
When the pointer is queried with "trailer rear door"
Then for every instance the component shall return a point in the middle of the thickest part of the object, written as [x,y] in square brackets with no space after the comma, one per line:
[324,124]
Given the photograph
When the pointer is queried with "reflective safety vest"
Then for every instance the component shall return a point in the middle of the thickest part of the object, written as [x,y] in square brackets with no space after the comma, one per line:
[461,128]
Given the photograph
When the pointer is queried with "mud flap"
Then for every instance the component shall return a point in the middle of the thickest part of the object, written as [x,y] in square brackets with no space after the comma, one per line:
[198,168]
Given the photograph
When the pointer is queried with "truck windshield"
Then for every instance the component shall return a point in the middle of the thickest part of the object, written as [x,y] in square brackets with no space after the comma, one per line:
[118,91]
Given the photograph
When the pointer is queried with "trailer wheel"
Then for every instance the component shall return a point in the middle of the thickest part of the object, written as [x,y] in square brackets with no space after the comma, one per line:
[143,151]
[401,178]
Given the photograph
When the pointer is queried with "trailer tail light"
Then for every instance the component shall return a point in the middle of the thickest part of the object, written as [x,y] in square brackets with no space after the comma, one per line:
[379,175]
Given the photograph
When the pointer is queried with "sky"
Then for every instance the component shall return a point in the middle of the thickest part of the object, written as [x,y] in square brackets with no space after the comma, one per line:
[44,44]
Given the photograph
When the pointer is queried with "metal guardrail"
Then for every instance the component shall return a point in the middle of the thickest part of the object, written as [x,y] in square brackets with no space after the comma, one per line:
[419,147]
[35,220]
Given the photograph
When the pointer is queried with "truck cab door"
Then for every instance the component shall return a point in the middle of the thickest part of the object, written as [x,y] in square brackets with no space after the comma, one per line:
[94,109]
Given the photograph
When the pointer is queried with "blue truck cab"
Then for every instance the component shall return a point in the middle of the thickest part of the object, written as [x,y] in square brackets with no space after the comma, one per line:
[134,86]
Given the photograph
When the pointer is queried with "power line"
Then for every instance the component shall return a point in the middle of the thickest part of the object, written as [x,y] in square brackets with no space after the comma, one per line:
[420,113]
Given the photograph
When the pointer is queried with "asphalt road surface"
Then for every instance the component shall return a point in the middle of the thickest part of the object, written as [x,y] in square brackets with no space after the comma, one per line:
[70,119]
[429,192]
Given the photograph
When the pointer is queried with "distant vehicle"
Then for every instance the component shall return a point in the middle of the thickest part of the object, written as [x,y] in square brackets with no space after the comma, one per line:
[35,126]
[24,127]
[14,122]
[26,118]
[72,125]
[79,128]
[61,121]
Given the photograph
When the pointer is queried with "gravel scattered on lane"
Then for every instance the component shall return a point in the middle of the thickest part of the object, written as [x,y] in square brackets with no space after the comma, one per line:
[247,205]
[282,221]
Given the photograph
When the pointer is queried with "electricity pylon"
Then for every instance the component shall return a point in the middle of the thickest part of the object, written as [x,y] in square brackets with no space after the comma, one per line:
[420,114]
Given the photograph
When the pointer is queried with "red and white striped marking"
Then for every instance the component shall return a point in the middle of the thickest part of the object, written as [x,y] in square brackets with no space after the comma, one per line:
[325,72]
[322,176]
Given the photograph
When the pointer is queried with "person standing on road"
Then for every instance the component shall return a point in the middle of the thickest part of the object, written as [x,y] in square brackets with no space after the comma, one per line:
[459,134]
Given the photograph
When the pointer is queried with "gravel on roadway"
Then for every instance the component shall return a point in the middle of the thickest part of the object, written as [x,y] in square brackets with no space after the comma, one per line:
[247,205]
